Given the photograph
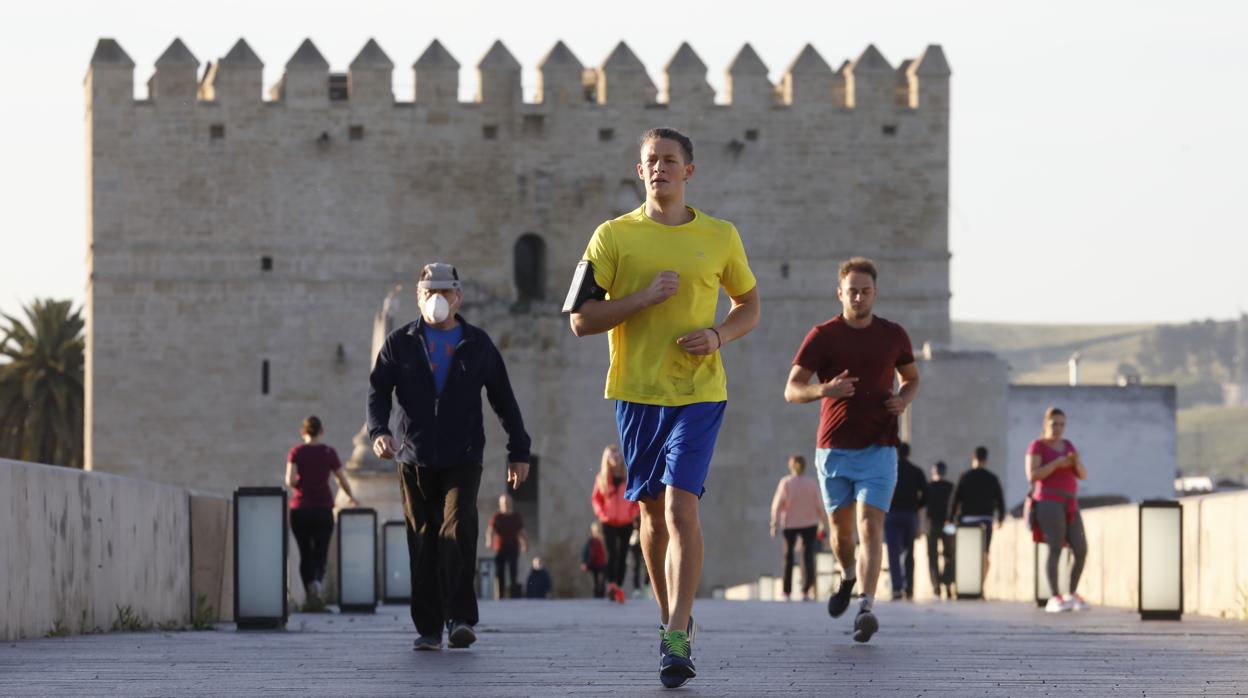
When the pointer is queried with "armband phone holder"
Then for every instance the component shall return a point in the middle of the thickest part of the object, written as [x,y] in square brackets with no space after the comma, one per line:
[584,287]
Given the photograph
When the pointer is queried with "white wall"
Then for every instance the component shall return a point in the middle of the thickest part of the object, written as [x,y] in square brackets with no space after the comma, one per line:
[75,546]
[1126,436]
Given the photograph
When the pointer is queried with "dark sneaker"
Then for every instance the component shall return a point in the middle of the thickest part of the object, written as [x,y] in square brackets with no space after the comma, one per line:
[691,629]
[865,626]
[459,635]
[428,643]
[676,667]
[838,602]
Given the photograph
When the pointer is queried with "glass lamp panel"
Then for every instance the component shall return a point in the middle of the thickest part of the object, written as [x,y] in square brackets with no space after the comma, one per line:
[969,558]
[1161,564]
[261,564]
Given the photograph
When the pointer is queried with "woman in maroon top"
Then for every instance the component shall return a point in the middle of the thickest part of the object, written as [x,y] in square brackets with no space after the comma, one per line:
[308,469]
[1055,467]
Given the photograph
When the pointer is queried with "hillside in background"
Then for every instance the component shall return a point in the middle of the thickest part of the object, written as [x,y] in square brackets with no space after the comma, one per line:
[1196,358]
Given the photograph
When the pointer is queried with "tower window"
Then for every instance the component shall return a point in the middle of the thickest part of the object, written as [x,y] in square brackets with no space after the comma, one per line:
[530,269]
[489,132]
[751,134]
[264,377]
[606,135]
[356,133]
[890,129]
[534,124]
[216,131]
[266,263]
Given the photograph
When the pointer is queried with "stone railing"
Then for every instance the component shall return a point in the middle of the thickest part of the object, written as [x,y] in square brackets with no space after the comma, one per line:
[87,552]
[1215,560]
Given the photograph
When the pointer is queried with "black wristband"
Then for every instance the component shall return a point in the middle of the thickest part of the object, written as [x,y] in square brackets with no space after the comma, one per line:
[718,338]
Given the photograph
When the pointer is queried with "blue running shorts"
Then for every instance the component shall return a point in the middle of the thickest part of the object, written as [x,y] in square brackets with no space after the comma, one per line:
[667,446]
[862,474]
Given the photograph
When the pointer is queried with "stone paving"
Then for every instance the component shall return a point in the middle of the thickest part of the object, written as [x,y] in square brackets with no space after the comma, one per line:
[545,648]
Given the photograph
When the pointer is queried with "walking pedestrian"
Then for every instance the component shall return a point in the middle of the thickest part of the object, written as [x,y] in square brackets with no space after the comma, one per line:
[939,536]
[616,514]
[901,523]
[651,278]
[504,534]
[978,499]
[594,559]
[856,356]
[797,511]
[309,467]
[1055,469]
[436,367]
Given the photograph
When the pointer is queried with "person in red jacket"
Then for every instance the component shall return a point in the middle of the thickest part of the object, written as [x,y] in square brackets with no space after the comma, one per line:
[616,514]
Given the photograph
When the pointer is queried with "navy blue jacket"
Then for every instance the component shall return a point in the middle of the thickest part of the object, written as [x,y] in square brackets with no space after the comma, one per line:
[443,431]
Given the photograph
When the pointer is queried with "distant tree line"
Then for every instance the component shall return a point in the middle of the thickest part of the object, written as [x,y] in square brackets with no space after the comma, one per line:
[1205,349]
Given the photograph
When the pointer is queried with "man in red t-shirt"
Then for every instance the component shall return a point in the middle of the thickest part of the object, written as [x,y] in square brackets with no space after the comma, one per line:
[504,534]
[855,356]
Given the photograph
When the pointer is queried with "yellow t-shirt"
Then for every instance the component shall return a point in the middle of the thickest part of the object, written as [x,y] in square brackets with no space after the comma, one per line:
[647,366]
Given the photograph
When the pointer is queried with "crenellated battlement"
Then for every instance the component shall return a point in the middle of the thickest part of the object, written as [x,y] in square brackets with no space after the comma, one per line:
[867,82]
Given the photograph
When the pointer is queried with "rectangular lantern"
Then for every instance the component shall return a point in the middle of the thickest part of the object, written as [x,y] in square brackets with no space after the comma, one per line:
[968,544]
[1161,560]
[396,568]
[826,577]
[485,578]
[260,548]
[767,588]
[357,560]
[1043,591]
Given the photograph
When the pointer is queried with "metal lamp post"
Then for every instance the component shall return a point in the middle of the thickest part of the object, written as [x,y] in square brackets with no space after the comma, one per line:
[396,586]
[1161,560]
[260,548]
[357,560]
[968,546]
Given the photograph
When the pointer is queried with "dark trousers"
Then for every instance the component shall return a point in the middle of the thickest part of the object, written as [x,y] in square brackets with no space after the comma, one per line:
[616,538]
[807,536]
[596,576]
[440,506]
[639,567]
[940,575]
[313,528]
[505,568]
[900,530]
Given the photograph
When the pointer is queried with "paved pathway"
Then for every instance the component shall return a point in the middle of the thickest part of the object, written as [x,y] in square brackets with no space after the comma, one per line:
[542,648]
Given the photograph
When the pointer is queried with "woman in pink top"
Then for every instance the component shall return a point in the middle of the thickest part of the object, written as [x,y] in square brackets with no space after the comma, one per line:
[1055,467]
[797,509]
[616,515]
[309,467]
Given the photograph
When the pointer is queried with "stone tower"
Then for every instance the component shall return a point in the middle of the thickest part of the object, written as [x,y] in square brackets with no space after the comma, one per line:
[238,247]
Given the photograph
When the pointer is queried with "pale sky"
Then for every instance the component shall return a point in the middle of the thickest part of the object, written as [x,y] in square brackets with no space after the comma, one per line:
[1098,148]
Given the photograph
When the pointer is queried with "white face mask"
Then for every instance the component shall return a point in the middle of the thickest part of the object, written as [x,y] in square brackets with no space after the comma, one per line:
[436,308]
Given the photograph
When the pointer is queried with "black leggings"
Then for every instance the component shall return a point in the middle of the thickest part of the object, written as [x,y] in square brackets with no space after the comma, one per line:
[313,528]
[616,538]
[807,536]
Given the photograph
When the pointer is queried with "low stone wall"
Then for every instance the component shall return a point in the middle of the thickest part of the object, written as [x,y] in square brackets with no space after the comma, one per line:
[1215,560]
[78,550]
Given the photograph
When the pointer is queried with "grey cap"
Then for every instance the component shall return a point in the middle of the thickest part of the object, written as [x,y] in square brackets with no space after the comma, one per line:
[438,276]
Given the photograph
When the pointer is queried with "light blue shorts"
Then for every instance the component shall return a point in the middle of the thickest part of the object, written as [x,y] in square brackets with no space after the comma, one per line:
[862,474]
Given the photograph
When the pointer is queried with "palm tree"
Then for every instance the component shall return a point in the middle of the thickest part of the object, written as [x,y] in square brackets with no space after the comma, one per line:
[41,378]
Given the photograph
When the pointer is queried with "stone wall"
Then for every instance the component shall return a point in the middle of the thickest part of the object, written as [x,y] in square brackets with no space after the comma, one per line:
[238,244]
[77,547]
